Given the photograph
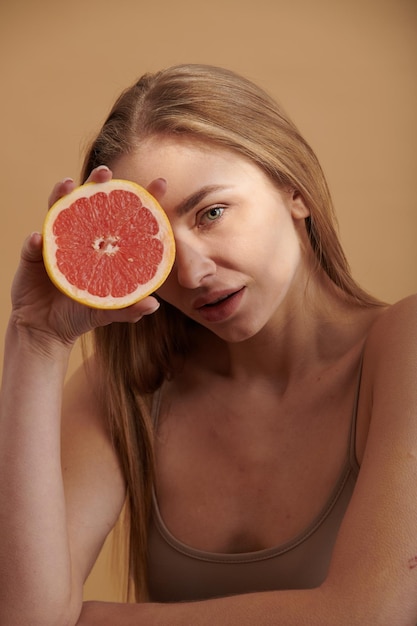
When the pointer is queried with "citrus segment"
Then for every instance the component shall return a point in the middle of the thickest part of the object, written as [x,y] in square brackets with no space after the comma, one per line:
[108,245]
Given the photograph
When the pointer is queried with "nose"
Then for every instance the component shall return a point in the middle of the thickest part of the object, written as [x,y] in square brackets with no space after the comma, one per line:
[192,265]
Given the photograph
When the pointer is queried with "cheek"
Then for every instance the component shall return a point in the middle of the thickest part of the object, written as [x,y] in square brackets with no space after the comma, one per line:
[281,256]
[270,242]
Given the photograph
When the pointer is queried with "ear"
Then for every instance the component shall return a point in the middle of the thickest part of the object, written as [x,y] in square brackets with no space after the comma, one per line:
[299,209]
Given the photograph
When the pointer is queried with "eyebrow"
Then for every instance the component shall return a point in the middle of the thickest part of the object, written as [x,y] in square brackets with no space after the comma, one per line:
[195,198]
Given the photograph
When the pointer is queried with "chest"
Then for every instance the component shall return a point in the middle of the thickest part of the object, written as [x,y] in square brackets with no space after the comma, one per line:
[244,471]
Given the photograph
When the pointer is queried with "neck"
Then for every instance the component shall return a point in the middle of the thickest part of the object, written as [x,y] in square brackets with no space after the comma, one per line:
[308,333]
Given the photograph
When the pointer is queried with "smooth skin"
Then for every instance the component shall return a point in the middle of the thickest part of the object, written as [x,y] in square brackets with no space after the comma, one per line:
[284,329]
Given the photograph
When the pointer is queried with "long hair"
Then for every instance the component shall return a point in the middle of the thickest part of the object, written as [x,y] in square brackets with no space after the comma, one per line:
[225,109]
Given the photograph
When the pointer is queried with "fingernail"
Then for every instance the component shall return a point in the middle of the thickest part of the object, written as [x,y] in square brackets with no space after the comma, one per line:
[102,168]
[67,180]
[35,238]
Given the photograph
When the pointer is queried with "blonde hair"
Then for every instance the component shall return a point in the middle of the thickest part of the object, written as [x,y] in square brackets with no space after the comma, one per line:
[227,110]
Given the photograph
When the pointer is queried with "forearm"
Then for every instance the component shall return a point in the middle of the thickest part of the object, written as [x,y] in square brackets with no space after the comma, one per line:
[275,608]
[322,606]
[35,568]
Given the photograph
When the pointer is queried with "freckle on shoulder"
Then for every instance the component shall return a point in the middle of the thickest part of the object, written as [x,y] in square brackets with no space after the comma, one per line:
[412,563]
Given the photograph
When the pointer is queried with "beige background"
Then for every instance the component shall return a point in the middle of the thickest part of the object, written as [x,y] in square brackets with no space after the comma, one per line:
[344,69]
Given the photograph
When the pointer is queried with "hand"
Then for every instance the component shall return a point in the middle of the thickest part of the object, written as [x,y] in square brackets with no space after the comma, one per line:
[38,306]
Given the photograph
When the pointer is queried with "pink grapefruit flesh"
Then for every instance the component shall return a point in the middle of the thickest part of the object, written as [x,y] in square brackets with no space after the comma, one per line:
[108,245]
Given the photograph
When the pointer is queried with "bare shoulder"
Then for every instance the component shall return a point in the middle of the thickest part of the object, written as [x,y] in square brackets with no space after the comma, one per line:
[397,322]
[390,364]
[391,346]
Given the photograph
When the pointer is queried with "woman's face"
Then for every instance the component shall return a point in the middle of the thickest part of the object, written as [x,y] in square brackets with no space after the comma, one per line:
[237,236]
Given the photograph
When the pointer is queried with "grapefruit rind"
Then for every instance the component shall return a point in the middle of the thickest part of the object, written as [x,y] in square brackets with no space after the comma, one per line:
[50,247]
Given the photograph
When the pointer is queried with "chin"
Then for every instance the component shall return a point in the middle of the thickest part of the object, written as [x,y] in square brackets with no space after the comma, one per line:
[235,334]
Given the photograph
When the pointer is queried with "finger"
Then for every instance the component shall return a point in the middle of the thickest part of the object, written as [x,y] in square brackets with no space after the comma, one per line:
[157,188]
[135,312]
[60,189]
[147,306]
[32,248]
[100,174]
[131,314]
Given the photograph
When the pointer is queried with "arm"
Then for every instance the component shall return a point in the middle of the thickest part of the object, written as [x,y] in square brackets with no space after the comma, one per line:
[55,521]
[46,547]
[373,572]
[32,508]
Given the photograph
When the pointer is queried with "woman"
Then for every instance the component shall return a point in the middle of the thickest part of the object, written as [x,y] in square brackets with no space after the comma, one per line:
[259,412]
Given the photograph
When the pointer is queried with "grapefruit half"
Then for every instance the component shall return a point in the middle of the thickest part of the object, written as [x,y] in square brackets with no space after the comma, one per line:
[108,245]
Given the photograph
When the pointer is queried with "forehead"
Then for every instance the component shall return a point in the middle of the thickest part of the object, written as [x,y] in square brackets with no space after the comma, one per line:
[185,159]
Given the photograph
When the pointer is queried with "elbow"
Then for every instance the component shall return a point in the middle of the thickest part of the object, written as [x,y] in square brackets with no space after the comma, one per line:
[365,604]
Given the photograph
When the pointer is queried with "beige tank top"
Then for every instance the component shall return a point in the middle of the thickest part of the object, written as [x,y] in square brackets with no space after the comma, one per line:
[180,573]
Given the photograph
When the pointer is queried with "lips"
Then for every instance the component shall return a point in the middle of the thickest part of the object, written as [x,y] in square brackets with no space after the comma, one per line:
[220,300]
[219,306]
[213,299]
